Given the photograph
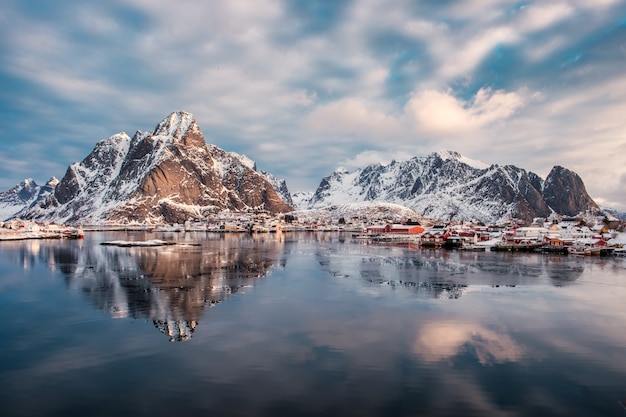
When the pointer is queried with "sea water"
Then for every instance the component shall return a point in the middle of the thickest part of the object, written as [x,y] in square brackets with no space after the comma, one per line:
[306,324]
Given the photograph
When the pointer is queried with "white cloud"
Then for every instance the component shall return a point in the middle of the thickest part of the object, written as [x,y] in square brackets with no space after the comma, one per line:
[96,21]
[538,52]
[351,117]
[442,113]
[541,15]
[482,10]
[299,98]
[465,55]
[371,157]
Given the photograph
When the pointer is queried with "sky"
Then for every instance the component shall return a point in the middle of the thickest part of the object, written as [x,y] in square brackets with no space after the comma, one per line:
[305,87]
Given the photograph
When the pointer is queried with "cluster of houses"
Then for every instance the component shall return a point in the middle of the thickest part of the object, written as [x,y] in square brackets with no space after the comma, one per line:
[17,229]
[567,235]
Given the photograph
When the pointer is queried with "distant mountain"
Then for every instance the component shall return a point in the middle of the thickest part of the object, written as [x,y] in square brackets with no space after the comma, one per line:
[165,176]
[448,186]
[363,212]
[615,214]
[23,195]
[171,174]
[302,199]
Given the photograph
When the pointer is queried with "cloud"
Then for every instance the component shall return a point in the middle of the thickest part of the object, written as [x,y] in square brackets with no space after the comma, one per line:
[372,157]
[351,117]
[462,57]
[542,15]
[442,113]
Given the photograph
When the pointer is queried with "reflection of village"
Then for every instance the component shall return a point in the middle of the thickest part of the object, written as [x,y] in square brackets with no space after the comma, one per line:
[169,286]
[445,274]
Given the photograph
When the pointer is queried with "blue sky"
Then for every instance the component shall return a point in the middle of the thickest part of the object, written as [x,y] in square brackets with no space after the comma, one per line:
[305,87]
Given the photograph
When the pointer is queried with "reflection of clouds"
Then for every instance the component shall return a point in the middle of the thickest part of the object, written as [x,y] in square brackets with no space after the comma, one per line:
[437,341]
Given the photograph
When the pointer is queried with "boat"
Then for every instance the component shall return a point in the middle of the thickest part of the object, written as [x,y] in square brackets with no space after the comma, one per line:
[472,247]
[585,250]
[74,233]
[619,251]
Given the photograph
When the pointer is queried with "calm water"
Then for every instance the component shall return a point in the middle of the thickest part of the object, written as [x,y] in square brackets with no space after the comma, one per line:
[306,325]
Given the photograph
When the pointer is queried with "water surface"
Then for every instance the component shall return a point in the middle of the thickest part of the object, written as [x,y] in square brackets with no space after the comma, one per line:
[306,324]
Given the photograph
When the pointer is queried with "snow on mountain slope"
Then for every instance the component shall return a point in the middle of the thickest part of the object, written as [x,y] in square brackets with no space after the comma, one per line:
[366,212]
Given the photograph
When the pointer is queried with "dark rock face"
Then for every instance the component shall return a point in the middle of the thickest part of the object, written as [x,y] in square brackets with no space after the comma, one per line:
[167,176]
[280,185]
[565,193]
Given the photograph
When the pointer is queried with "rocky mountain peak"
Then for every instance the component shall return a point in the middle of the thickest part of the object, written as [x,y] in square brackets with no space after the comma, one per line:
[167,176]
[180,127]
[52,182]
[565,192]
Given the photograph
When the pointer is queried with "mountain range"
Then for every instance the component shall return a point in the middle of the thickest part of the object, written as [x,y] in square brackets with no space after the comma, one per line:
[448,186]
[171,174]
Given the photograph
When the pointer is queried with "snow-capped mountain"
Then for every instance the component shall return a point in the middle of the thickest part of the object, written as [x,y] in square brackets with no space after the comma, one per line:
[364,212]
[165,176]
[614,214]
[448,186]
[23,195]
[302,199]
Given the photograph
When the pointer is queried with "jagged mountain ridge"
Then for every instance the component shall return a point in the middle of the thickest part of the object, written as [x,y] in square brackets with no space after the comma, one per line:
[23,195]
[447,186]
[280,185]
[165,176]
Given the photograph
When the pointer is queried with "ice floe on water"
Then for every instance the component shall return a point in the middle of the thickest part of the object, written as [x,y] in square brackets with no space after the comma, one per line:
[129,243]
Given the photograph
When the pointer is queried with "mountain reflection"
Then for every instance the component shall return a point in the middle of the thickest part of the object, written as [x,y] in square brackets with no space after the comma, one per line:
[446,274]
[169,285]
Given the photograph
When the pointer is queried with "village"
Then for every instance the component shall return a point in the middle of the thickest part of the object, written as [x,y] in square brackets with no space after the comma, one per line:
[590,236]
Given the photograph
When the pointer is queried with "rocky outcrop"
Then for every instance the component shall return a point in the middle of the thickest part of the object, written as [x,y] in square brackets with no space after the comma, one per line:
[564,191]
